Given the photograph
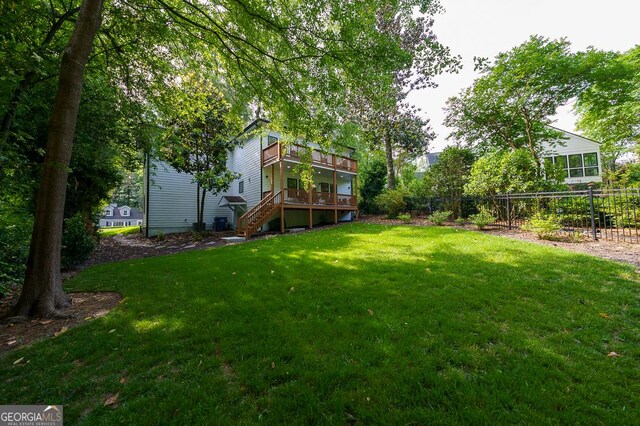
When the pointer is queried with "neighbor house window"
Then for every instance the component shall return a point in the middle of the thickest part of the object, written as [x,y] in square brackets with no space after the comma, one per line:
[576,165]
[125,212]
[561,162]
[591,164]
[576,168]
[241,187]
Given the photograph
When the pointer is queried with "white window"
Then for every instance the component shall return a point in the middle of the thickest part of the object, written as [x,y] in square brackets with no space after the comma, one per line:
[241,187]
[576,165]
[108,212]
[125,212]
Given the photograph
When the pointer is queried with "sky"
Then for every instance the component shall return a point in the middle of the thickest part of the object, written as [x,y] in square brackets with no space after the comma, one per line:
[486,27]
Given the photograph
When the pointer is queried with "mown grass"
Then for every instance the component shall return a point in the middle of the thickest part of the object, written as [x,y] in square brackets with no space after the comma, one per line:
[125,230]
[359,323]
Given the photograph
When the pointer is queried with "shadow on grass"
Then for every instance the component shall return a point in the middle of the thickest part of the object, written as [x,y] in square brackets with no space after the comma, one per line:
[369,323]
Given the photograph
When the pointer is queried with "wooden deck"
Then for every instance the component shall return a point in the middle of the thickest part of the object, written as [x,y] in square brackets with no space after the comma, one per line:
[295,153]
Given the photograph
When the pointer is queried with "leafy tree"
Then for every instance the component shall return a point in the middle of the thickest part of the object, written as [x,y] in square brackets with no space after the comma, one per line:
[450,174]
[511,105]
[301,61]
[200,134]
[130,191]
[502,172]
[609,109]
[372,176]
[390,122]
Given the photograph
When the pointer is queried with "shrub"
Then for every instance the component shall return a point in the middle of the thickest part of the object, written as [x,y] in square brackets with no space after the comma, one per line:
[545,226]
[483,218]
[439,218]
[405,217]
[14,239]
[391,202]
[508,172]
[372,178]
[460,221]
[78,241]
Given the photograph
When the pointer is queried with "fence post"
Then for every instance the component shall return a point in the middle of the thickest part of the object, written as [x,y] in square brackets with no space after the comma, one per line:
[509,211]
[593,217]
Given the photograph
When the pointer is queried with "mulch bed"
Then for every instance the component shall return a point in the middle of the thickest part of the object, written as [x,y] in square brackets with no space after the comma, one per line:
[84,307]
[135,246]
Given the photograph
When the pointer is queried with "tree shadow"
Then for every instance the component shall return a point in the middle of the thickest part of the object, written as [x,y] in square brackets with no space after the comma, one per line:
[374,323]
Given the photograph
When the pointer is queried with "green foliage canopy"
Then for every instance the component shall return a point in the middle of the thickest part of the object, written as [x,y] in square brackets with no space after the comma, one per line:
[512,103]
[200,131]
[609,109]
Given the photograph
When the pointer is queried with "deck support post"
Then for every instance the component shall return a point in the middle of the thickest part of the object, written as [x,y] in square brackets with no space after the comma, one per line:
[272,182]
[354,191]
[282,194]
[310,198]
[335,192]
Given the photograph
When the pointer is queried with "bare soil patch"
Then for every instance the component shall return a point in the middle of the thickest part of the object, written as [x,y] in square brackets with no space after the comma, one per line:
[611,250]
[84,307]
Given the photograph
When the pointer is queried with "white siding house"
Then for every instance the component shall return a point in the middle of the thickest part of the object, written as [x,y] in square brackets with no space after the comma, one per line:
[268,180]
[114,216]
[577,155]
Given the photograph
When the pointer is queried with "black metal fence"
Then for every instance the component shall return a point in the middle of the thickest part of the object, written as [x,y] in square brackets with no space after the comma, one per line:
[611,214]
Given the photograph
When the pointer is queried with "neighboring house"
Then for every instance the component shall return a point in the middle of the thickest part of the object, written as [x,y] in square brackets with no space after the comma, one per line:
[424,163]
[269,195]
[432,158]
[578,156]
[120,216]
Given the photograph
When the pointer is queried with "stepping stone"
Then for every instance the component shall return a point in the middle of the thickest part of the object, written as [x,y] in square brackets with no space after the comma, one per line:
[190,246]
[211,243]
[234,239]
[296,229]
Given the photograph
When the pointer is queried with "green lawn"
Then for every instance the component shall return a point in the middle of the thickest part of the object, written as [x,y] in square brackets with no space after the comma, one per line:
[358,323]
[125,230]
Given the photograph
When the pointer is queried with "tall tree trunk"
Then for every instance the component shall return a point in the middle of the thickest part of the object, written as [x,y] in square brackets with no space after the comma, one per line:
[42,293]
[532,147]
[391,174]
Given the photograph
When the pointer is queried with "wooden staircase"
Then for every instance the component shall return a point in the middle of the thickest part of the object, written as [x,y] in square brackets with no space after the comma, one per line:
[252,220]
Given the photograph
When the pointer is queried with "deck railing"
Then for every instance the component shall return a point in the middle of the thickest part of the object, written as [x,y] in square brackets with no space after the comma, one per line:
[347,200]
[329,199]
[270,153]
[296,196]
[324,198]
[274,153]
[254,218]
